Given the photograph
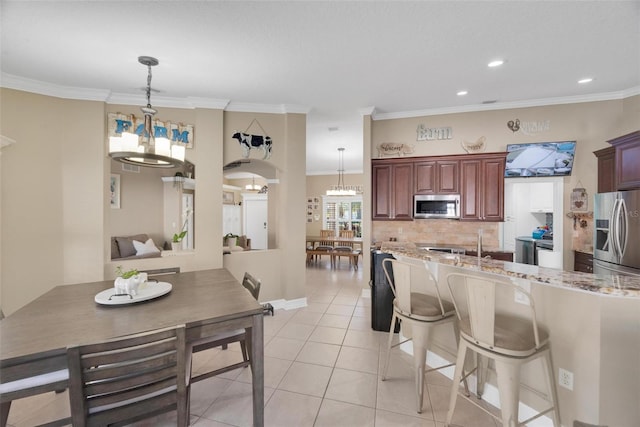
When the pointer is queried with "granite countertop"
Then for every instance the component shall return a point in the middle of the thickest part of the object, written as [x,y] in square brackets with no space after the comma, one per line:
[618,286]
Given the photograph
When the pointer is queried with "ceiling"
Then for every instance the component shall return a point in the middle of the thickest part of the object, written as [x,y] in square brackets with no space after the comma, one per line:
[333,60]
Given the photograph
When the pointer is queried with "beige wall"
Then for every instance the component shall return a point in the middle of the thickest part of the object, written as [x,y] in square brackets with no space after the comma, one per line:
[55,201]
[591,124]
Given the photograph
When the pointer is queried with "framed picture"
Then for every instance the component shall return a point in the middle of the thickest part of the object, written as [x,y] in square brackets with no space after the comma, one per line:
[114,188]
[227,197]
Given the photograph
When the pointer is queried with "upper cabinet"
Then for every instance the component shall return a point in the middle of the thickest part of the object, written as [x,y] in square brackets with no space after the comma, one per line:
[541,197]
[618,165]
[478,178]
[482,187]
[606,169]
[392,190]
[437,176]
[627,161]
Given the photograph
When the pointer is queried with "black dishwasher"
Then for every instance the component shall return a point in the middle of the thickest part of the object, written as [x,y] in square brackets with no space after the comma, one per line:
[381,294]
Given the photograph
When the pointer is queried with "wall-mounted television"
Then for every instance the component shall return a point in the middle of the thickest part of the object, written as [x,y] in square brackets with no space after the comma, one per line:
[540,159]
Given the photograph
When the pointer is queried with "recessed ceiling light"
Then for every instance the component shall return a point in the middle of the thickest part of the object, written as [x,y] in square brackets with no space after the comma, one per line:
[462,93]
[587,80]
[496,63]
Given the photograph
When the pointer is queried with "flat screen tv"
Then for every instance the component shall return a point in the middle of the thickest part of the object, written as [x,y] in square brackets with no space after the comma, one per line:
[540,159]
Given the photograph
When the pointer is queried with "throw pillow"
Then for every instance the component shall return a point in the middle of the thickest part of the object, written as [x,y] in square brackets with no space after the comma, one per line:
[147,247]
[126,247]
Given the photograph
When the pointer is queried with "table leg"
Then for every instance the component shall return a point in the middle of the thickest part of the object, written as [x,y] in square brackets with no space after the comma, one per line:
[257,370]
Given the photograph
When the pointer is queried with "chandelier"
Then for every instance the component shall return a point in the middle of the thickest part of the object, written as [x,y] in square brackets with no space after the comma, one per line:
[147,148]
[340,189]
[253,186]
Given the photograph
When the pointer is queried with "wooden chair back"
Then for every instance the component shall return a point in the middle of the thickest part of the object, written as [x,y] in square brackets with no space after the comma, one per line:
[128,379]
[252,284]
[329,234]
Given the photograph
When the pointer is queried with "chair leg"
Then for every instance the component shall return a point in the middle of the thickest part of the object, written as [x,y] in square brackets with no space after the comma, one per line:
[243,347]
[4,412]
[420,337]
[389,341]
[546,360]
[457,377]
[508,379]
[481,375]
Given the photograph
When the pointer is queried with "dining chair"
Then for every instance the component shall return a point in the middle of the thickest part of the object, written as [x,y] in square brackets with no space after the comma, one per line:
[120,381]
[324,247]
[497,321]
[346,249]
[16,383]
[422,312]
[224,339]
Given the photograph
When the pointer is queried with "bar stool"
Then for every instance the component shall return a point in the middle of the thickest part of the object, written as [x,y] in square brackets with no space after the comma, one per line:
[510,340]
[421,311]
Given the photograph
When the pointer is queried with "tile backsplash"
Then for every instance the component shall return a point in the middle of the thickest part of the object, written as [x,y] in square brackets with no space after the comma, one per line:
[441,231]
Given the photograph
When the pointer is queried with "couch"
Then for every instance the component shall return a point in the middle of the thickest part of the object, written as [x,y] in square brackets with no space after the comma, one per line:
[235,244]
[124,248]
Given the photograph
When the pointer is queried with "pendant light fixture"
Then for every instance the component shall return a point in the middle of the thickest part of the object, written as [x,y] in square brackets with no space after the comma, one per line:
[147,149]
[253,186]
[340,189]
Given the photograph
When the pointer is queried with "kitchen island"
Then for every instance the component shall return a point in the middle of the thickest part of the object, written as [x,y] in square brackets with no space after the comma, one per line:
[594,325]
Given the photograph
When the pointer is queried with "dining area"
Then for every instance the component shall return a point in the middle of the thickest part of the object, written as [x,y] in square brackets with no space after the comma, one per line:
[123,358]
[334,246]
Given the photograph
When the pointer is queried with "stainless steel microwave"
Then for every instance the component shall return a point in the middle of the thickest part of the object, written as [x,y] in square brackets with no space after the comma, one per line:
[436,206]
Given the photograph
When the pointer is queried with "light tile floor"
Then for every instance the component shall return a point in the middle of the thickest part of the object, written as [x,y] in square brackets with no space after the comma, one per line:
[322,368]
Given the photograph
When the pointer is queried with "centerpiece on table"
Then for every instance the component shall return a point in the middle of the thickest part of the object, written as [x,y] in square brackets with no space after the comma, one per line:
[128,282]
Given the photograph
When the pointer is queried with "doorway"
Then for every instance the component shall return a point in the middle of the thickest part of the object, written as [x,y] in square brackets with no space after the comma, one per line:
[255,213]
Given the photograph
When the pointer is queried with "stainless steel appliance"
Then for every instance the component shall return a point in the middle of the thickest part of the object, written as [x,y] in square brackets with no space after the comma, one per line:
[616,246]
[436,206]
[527,249]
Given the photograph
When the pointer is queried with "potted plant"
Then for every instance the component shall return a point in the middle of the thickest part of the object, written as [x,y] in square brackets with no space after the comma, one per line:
[176,240]
[231,239]
[128,281]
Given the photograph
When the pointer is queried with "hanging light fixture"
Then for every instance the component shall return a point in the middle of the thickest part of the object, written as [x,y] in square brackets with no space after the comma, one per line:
[340,189]
[146,149]
[253,186]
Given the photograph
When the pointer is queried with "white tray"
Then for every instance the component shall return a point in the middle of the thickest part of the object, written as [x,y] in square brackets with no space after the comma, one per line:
[147,291]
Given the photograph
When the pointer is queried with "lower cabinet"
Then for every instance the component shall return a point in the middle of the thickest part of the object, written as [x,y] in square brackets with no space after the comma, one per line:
[583,262]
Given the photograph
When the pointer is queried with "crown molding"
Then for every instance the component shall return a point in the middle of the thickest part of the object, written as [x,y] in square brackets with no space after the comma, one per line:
[608,96]
[248,107]
[367,111]
[35,86]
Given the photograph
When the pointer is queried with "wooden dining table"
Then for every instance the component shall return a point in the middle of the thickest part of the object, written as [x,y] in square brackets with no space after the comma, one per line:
[208,302]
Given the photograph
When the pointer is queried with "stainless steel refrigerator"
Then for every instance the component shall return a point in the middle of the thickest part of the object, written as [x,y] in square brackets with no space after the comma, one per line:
[616,246]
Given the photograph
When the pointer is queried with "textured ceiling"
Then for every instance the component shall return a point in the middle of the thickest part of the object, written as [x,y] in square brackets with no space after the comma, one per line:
[332,59]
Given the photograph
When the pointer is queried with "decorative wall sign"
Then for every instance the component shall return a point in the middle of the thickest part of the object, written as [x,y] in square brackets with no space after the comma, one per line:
[394,149]
[474,147]
[248,141]
[514,125]
[180,133]
[429,134]
[529,128]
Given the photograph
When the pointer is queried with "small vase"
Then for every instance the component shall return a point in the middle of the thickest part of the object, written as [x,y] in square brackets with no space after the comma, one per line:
[176,246]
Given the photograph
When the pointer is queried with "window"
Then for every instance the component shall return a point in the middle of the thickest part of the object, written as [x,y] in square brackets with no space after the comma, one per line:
[342,213]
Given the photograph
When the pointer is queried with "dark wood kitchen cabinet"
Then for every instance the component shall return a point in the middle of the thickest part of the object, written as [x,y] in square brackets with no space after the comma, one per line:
[392,190]
[482,187]
[437,176]
[627,164]
[583,262]
[606,169]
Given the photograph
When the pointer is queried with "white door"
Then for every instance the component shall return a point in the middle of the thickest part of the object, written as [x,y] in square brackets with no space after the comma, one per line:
[255,214]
